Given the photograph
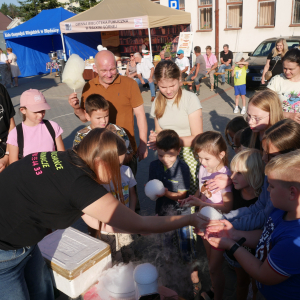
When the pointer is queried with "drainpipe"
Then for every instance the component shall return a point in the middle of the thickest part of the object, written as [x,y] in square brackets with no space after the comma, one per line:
[217,28]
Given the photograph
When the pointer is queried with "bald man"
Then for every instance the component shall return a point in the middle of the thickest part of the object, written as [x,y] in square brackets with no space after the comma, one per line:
[124,99]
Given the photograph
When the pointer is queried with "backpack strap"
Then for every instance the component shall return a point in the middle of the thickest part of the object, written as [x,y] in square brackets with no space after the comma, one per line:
[20,139]
[51,131]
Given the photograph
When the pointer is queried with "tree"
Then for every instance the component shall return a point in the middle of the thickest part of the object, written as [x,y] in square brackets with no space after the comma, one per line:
[30,8]
[83,5]
[4,9]
[13,11]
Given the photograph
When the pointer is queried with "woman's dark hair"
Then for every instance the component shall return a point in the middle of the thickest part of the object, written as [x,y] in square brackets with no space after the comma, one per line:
[292,55]
[235,125]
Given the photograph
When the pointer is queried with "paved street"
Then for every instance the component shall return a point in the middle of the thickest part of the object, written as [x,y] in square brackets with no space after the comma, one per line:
[217,111]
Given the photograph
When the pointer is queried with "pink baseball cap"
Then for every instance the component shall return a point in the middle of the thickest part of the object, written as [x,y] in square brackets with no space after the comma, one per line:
[34,100]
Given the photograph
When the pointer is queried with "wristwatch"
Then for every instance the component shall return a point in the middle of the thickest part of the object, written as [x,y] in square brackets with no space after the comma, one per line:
[235,247]
[6,153]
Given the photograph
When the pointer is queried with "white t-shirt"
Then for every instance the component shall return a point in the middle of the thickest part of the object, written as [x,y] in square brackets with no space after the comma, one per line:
[177,118]
[288,92]
[144,68]
[183,63]
[128,181]
[3,58]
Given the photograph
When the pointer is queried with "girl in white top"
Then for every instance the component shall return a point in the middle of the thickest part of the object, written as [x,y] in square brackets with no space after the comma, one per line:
[287,85]
[12,59]
[4,69]
[179,110]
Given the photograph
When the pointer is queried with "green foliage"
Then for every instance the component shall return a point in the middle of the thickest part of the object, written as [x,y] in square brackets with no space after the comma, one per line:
[4,9]
[10,10]
[83,5]
[30,8]
[13,11]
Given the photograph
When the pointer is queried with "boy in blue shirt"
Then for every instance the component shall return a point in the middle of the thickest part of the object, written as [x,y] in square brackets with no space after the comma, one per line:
[174,173]
[276,266]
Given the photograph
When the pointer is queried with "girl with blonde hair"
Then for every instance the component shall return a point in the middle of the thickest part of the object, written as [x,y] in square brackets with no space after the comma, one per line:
[264,110]
[179,110]
[274,60]
[247,177]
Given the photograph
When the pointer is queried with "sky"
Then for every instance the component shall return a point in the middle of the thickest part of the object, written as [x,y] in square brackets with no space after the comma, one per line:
[15,2]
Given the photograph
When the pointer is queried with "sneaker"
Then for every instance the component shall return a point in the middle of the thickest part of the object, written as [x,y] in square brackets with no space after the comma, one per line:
[197,93]
[236,110]
[222,83]
[243,111]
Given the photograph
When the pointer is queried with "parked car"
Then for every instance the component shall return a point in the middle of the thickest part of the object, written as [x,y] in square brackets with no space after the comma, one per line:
[258,59]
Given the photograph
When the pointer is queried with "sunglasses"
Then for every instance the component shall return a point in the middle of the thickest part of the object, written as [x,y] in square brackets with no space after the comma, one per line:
[131,54]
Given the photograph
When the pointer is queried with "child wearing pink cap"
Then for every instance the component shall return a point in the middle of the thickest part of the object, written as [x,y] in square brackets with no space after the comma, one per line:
[34,134]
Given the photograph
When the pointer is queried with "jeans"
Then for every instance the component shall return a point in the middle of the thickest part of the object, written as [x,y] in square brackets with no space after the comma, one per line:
[222,70]
[197,79]
[24,275]
[151,85]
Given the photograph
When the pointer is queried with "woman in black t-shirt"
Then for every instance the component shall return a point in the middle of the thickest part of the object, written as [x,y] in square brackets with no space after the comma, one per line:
[53,190]
[274,59]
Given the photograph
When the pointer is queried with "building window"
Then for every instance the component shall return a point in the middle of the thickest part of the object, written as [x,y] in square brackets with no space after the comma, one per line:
[205,14]
[296,12]
[182,4]
[266,13]
[234,14]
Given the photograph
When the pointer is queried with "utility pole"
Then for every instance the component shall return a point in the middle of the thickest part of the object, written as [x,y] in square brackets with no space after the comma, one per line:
[217,28]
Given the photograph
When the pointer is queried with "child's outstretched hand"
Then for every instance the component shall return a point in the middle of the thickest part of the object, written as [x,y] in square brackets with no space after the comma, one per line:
[220,234]
[152,140]
[163,194]
[190,201]
[218,183]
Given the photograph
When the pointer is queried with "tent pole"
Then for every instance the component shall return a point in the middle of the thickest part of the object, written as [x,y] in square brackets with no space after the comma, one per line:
[150,45]
[63,43]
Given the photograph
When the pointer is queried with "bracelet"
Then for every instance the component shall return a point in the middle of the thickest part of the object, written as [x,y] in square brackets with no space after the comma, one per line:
[6,153]
[235,247]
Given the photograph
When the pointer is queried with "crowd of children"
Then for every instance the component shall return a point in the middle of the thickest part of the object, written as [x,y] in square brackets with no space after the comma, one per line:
[264,143]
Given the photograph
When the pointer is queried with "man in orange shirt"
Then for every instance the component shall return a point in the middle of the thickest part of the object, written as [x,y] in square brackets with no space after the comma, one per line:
[124,99]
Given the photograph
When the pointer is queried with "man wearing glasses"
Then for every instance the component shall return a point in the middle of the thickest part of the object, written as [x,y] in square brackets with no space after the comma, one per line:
[124,99]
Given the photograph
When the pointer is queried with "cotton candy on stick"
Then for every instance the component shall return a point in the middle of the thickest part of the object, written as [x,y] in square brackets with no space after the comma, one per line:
[153,188]
[211,213]
[73,71]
